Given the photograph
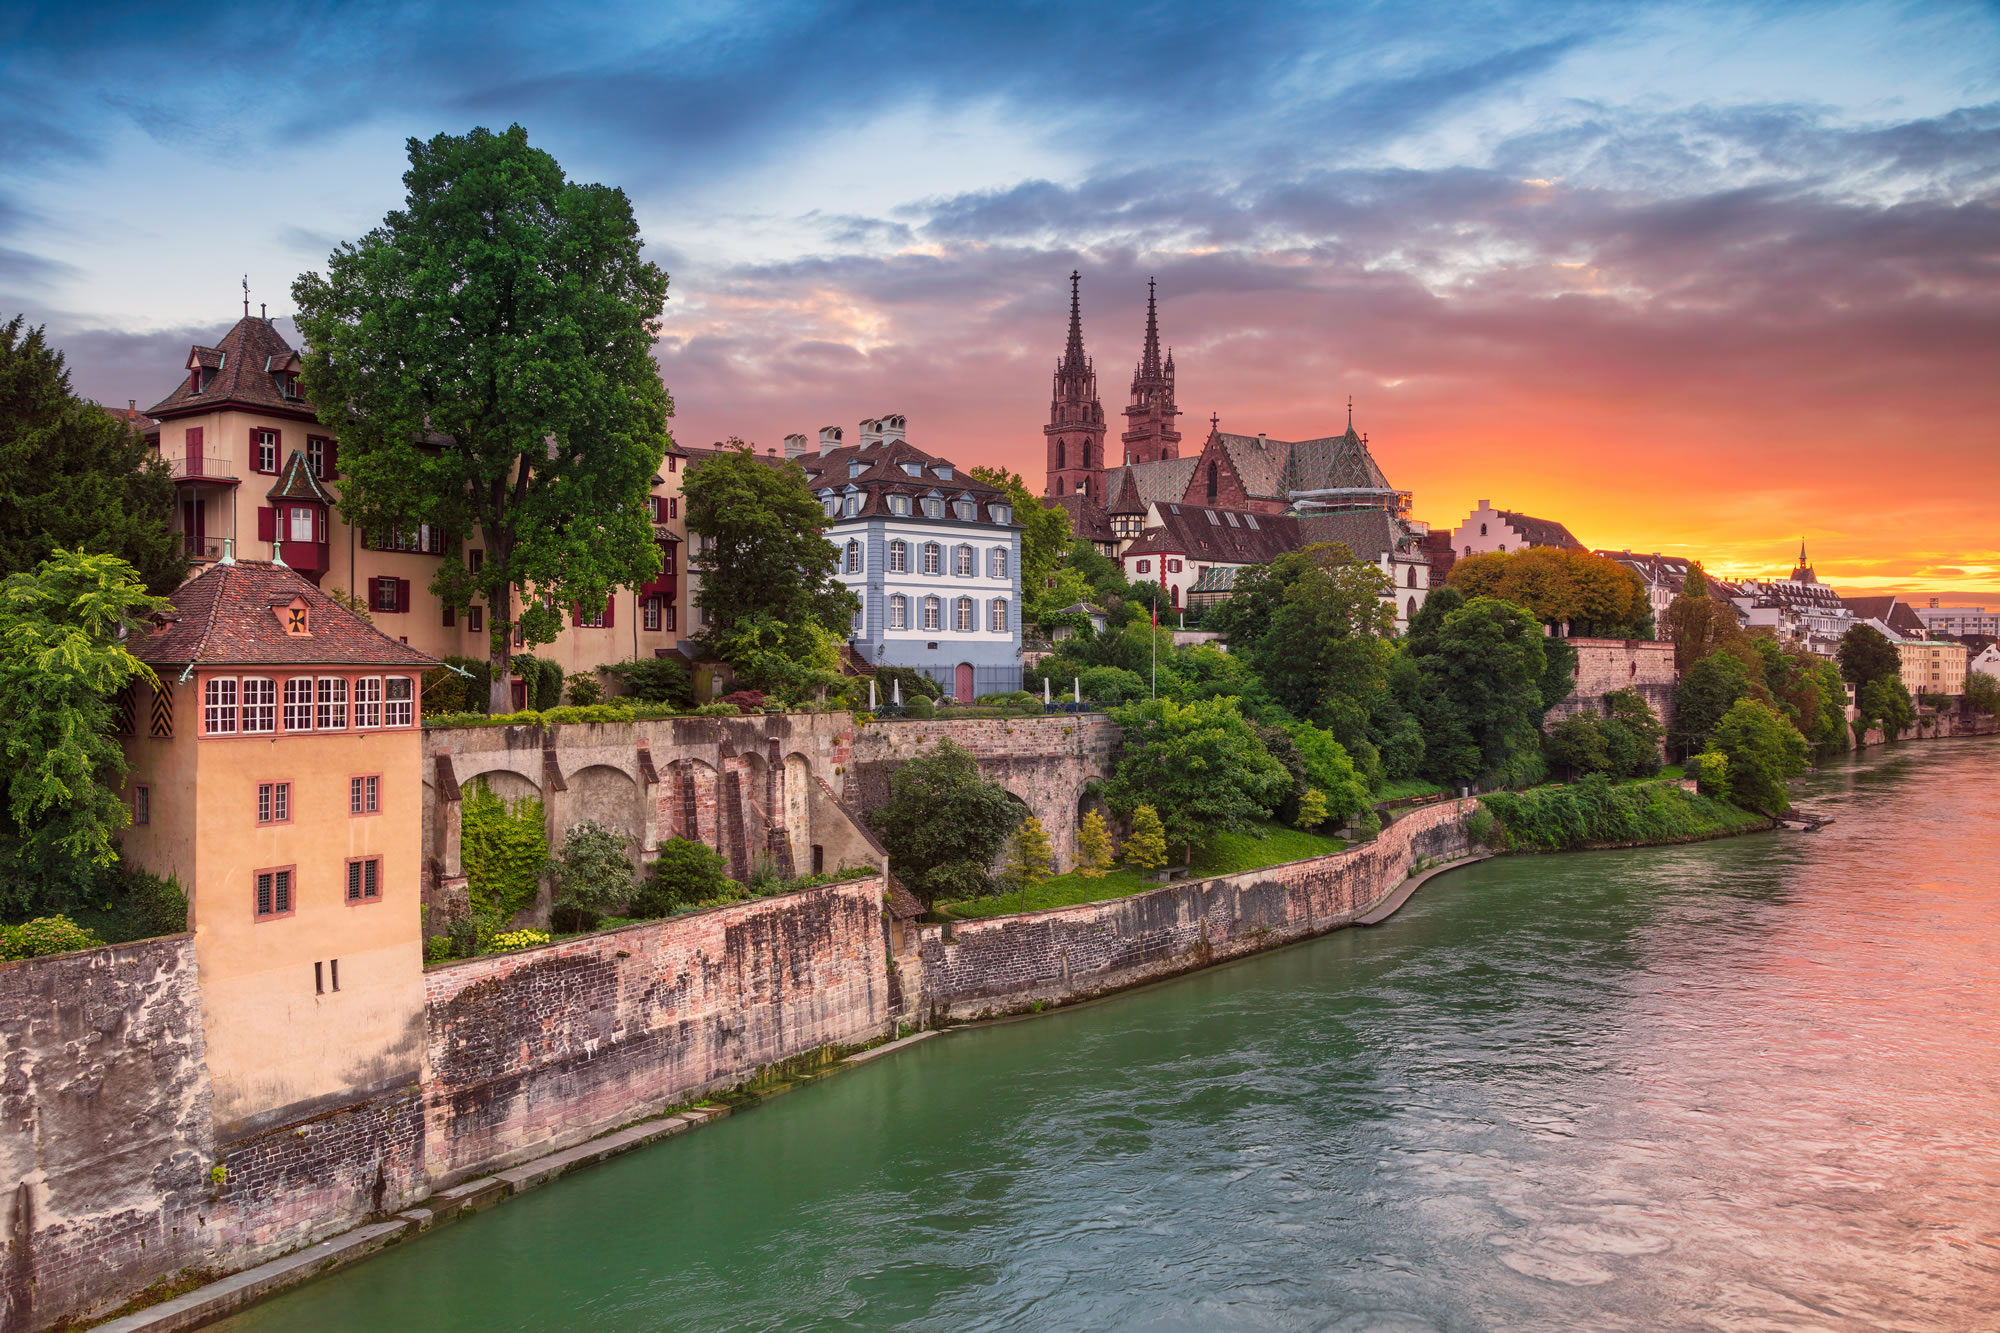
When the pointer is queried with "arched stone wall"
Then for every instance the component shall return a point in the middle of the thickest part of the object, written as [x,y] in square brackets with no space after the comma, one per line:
[608,796]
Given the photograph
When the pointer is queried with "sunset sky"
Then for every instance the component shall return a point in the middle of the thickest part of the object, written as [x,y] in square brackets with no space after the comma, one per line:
[1695,278]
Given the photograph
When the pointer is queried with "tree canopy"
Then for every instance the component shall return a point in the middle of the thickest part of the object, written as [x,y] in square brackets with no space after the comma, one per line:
[1315,627]
[62,666]
[1482,670]
[1045,539]
[944,824]
[1865,655]
[1698,623]
[1199,765]
[1593,595]
[485,357]
[1763,750]
[74,477]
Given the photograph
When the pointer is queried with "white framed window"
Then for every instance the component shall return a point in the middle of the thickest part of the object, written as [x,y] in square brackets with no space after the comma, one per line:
[851,505]
[961,562]
[590,619]
[260,705]
[899,557]
[933,558]
[399,701]
[967,510]
[853,557]
[933,509]
[299,703]
[996,563]
[933,613]
[1145,566]
[997,619]
[267,451]
[333,703]
[1002,513]
[899,612]
[899,505]
[830,505]
[316,456]
[649,614]
[300,528]
[218,708]
[368,701]
[963,621]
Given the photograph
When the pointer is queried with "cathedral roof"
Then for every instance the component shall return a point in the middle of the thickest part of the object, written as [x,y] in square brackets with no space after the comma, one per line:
[1088,520]
[1166,479]
[1232,536]
[1369,533]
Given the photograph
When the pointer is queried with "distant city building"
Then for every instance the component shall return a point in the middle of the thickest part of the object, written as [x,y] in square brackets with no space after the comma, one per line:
[1800,608]
[1988,661]
[934,555]
[1932,666]
[1889,614]
[1487,530]
[1959,621]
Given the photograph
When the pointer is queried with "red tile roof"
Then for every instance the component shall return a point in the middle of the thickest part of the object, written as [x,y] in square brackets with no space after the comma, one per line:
[224,616]
[245,362]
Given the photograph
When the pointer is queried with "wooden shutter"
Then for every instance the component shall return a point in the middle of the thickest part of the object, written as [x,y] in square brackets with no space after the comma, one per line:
[576,613]
[331,457]
[402,594]
[267,523]
[450,615]
[610,608]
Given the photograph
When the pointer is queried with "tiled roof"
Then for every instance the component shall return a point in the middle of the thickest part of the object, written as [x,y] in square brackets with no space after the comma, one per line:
[1540,531]
[245,361]
[881,470]
[1369,533]
[1217,579]
[1123,491]
[296,482]
[224,616]
[1332,463]
[1087,519]
[1891,611]
[1231,536]
[1165,479]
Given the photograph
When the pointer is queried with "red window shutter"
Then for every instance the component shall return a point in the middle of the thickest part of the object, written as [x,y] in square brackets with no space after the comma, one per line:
[267,523]
[319,523]
[450,615]
[402,594]
[610,606]
[331,454]
[576,613]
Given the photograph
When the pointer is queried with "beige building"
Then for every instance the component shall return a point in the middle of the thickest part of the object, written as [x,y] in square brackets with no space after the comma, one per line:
[297,724]
[253,465]
[1932,666]
[1488,530]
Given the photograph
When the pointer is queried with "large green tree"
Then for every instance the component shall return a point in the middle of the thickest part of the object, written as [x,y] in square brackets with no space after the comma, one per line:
[485,357]
[1708,690]
[1763,750]
[1045,539]
[62,665]
[1483,669]
[1865,654]
[1592,595]
[767,568]
[1200,765]
[944,824]
[74,476]
[1315,626]
[1698,623]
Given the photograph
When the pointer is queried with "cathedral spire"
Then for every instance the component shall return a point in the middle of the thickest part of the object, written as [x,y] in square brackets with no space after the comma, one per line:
[1073,358]
[1149,358]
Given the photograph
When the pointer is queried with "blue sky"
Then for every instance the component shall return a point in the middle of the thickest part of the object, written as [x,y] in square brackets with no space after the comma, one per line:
[1758,233]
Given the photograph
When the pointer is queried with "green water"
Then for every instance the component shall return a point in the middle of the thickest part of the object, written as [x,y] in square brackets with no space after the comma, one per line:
[1748,1084]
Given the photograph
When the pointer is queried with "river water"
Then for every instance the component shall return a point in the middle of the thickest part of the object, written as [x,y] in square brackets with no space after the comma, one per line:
[1746,1084]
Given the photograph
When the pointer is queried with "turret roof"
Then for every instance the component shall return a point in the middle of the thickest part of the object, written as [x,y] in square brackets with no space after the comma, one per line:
[226,616]
[245,360]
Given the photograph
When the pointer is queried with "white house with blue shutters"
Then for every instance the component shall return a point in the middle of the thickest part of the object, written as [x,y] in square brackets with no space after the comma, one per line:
[934,555]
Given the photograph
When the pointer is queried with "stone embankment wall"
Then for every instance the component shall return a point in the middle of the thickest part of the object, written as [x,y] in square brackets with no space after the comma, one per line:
[1045,762]
[1006,964]
[1945,726]
[1605,665]
[531,1052]
[105,1143]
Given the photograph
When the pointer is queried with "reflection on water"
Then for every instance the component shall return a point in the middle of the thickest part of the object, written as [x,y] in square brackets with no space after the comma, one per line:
[1748,1084]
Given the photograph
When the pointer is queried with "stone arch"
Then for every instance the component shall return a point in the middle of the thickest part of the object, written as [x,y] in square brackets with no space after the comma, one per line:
[608,796]
[505,783]
[688,803]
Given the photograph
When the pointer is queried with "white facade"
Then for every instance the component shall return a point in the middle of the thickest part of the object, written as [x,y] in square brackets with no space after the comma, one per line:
[1958,620]
[936,595]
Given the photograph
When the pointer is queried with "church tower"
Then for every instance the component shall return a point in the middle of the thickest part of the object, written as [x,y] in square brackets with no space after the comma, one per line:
[1075,431]
[1149,418]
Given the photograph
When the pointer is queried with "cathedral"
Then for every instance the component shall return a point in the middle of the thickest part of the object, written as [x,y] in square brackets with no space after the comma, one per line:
[1288,493]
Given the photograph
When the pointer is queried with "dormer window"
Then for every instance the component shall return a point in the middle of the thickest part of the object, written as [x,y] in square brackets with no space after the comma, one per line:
[899,505]
[967,510]
[296,617]
[933,508]
[914,469]
[1002,513]
[851,504]
[944,471]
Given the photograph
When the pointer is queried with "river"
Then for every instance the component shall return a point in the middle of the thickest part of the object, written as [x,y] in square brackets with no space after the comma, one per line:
[1746,1084]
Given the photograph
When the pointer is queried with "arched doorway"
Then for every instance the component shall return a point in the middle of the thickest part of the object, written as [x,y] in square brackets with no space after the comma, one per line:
[963,685]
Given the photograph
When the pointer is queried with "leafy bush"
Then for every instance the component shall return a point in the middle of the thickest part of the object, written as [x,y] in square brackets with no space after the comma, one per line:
[543,678]
[611,712]
[44,935]
[1113,685]
[747,700]
[660,680]
[444,692]
[585,690]
[1593,812]
[944,824]
[686,874]
[1367,825]
[1479,827]
[504,849]
[467,719]
[155,905]
[437,949]
[592,876]
[919,707]
[517,939]
[913,682]
[718,709]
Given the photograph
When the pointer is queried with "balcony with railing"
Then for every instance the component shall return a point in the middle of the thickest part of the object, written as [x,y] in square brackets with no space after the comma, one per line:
[198,466]
[200,548]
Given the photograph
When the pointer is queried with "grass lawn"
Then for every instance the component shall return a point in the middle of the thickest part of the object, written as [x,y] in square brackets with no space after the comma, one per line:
[1398,788]
[1225,854]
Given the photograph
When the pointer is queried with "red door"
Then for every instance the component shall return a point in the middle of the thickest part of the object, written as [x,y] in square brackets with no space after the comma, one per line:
[964,692]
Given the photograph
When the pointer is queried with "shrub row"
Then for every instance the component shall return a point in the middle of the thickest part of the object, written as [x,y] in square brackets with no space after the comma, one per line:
[1594,812]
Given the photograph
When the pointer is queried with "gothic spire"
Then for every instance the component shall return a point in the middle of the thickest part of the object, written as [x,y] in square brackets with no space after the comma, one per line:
[1073,358]
[1802,551]
[1149,359]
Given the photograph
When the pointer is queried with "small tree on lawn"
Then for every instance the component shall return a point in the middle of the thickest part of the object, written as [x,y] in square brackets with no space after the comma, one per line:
[944,824]
[1028,855]
[592,876]
[1312,809]
[686,873]
[1146,845]
[1093,846]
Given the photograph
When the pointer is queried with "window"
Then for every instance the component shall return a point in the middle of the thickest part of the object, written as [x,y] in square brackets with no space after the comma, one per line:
[1468,550]
[996,563]
[475,561]
[591,619]
[961,562]
[274,803]
[1251,519]
[854,557]
[400,694]
[1229,516]
[851,505]
[963,621]
[475,618]
[1145,566]
[831,506]
[364,884]
[666,560]
[218,712]
[933,558]
[1062,456]
[944,471]
[1002,513]
[299,703]
[854,624]
[1173,566]
[1482,529]
[368,701]
[364,794]
[933,508]
[1211,481]
[1213,520]
[1413,577]
[933,613]
[1503,546]
[260,706]
[332,703]
[319,456]
[274,892]
[997,620]
[300,529]
[266,447]
[914,469]
[142,805]
[385,594]
[899,557]
[899,612]
[649,615]
[1086,454]
[899,505]
[423,539]
[966,510]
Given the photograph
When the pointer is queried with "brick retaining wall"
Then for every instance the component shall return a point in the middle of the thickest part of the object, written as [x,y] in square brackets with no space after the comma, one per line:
[1006,964]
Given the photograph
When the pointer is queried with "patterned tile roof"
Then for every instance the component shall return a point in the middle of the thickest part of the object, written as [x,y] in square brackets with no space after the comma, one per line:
[226,615]
[296,482]
[1232,536]
[1166,479]
[1369,533]
[247,362]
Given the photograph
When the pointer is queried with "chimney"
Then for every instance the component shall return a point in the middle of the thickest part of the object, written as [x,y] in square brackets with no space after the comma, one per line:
[264,312]
[829,440]
[892,428]
[795,446]
[871,432]
[131,409]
